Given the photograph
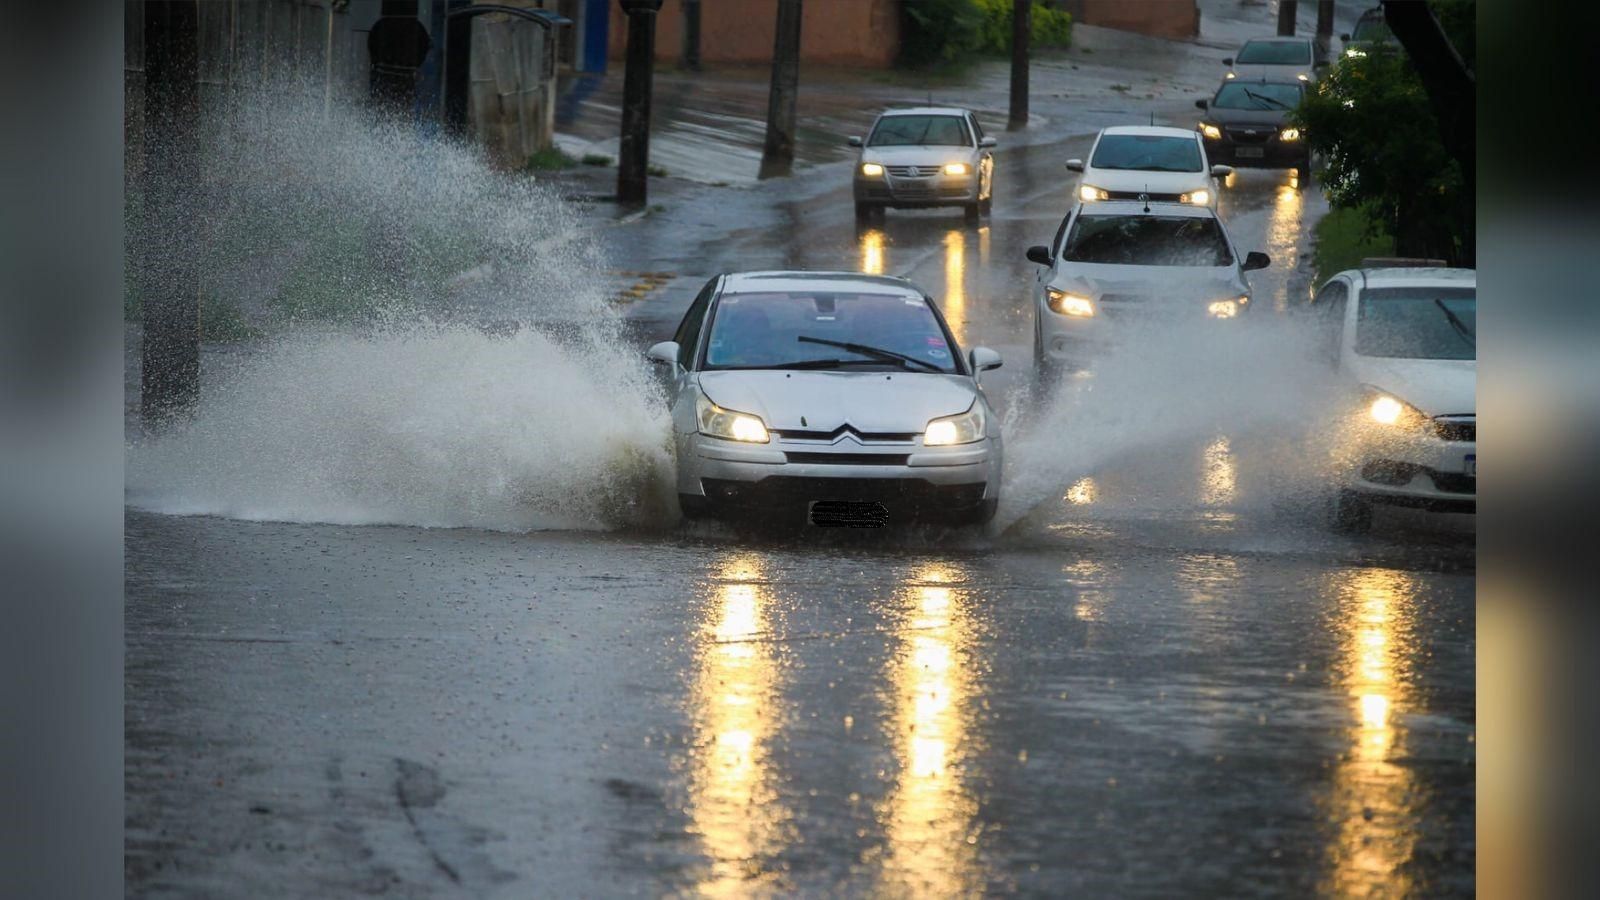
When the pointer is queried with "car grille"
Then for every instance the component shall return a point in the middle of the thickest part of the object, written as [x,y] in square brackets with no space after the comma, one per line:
[1242,135]
[1452,483]
[1134,195]
[849,459]
[1454,429]
[849,514]
[912,171]
[865,437]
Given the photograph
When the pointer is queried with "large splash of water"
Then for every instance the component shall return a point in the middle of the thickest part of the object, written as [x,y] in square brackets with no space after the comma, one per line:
[372,259]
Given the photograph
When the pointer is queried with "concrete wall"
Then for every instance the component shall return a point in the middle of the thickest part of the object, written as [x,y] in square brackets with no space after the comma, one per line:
[1159,18]
[832,32]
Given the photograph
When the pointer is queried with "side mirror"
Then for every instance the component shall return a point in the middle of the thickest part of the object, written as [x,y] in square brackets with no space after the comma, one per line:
[983,359]
[1221,171]
[1228,61]
[1255,259]
[1040,254]
[987,142]
[855,141]
[1074,165]
[664,353]
[1201,104]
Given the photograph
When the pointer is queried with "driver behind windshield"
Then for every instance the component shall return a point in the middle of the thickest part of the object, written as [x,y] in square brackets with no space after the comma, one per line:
[808,331]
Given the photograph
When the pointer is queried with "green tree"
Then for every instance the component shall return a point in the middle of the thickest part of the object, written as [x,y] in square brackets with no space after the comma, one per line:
[951,31]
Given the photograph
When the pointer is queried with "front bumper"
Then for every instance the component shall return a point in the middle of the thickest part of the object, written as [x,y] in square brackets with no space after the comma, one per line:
[908,193]
[1064,337]
[1275,153]
[912,481]
[1426,473]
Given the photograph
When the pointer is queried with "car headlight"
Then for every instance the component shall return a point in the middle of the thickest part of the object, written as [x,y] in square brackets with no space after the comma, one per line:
[1303,76]
[1289,134]
[729,425]
[959,429]
[1198,198]
[871,170]
[1226,309]
[957,169]
[1211,131]
[1230,75]
[1088,193]
[1353,53]
[1386,409]
[1069,304]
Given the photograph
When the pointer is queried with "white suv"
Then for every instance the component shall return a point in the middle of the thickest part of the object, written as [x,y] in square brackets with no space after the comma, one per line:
[1139,162]
[1405,342]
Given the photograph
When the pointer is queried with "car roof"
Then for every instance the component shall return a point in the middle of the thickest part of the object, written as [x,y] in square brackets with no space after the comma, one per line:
[801,281]
[1404,276]
[1135,208]
[925,110]
[1149,131]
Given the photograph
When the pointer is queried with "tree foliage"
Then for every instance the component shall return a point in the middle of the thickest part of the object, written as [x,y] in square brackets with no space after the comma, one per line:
[949,31]
[1371,120]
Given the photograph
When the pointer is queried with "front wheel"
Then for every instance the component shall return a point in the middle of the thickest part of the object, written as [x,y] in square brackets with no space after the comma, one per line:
[864,212]
[1352,513]
[972,212]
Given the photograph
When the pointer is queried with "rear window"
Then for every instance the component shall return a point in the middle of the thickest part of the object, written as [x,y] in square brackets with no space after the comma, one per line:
[1147,240]
[1147,153]
[1274,53]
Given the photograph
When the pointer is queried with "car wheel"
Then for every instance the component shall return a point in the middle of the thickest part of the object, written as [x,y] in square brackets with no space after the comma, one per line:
[972,212]
[1305,171]
[864,212]
[694,506]
[986,205]
[1045,371]
[1352,513]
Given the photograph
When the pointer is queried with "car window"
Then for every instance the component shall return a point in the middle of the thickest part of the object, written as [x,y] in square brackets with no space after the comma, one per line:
[1418,323]
[763,330]
[1147,240]
[1237,95]
[1329,306]
[931,130]
[1274,53]
[977,128]
[689,329]
[1147,152]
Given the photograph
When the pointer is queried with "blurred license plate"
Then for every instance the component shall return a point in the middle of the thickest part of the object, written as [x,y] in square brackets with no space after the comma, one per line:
[1471,467]
[1249,151]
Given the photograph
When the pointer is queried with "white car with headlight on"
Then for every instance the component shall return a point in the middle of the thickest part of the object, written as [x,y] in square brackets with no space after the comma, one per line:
[1163,165]
[834,396]
[922,157]
[1405,341]
[1116,267]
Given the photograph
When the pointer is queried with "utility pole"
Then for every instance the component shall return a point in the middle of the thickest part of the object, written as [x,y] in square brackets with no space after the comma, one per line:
[691,35]
[170,276]
[1286,13]
[1324,28]
[1021,34]
[778,157]
[633,154]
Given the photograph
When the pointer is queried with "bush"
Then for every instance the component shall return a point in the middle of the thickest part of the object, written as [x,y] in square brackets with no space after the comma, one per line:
[936,32]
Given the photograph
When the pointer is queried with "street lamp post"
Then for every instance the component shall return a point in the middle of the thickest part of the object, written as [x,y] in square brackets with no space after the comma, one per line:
[633,155]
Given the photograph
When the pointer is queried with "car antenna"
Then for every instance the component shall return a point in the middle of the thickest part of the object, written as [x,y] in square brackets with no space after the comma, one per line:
[1152,118]
[1146,197]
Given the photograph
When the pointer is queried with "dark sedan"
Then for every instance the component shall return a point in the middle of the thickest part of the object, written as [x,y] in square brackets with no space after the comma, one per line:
[1246,125]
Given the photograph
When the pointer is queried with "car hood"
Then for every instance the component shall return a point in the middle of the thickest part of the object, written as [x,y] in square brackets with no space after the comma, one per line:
[899,402]
[1236,117]
[1147,181]
[1179,283]
[1259,71]
[1437,387]
[916,155]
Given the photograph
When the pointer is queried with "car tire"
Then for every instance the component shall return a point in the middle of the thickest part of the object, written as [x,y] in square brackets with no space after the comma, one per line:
[972,212]
[864,213]
[1306,177]
[1352,513]
[694,506]
[986,205]
[1045,370]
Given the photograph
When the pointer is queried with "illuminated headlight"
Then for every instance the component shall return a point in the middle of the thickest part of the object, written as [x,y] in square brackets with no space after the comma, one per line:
[871,170]
[1198,198]
[1069,304]
[960,429]
[729,425]
[1387,409]
[1225,309]
[1088,193]
[957,169]
[1211,131]
[1354,53]
[1303,76]
[1230,75]
[1289,134]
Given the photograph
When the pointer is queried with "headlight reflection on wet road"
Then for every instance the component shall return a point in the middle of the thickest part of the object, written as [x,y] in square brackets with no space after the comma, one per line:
[734,804]
[930,816]
[1284,227]
[954,302]
[872,252]
[1372,795]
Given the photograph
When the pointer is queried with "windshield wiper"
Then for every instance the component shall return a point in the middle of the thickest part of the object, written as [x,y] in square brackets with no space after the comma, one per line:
[1278,103]
[877,352]
[1456,323]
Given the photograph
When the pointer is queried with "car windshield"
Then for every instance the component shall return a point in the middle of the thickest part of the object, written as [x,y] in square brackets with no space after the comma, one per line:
[1147,152]
[765,331]
[1261,95]
[908,131]
[1418,323]
[1146,240]
[1274,53]
[1372,28]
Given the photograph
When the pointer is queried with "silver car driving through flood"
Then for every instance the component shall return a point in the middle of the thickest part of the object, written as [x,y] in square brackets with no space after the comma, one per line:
[921,157]
[832,398]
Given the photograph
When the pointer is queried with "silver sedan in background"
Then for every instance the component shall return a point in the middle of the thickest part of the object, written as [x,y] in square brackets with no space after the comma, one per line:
[924,156]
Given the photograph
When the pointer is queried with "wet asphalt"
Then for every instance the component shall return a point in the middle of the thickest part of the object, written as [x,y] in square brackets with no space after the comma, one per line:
[1166,678]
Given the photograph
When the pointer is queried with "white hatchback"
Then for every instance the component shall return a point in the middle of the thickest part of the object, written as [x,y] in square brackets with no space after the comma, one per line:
[1404,340]
[1152,163]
